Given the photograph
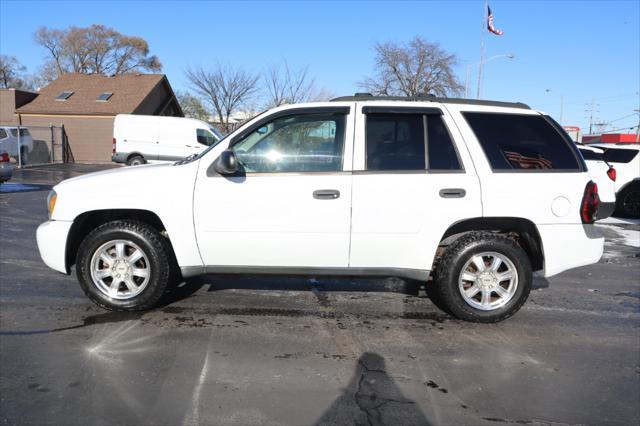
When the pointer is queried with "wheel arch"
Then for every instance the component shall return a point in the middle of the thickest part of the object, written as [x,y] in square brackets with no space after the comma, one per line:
[135,154]
[525,232]
[84,223]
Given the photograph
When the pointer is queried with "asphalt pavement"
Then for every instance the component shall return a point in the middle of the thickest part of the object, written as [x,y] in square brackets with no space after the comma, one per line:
[244,350]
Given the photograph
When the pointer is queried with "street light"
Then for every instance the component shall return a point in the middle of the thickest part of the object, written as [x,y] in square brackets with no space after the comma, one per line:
[561,102]
[466,84]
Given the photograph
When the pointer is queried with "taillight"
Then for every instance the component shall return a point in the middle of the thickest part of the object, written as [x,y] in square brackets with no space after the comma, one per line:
[4,157]
[113,146]
[612,173]
[590,203]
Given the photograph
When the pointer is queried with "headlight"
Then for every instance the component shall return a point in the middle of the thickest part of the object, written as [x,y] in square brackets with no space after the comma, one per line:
[51,202]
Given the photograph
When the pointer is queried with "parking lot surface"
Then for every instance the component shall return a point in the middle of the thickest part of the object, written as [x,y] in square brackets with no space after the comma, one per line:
[248,350]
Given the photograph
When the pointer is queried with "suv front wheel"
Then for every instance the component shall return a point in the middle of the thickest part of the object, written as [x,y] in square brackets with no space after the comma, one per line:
[483,277]
[123,266]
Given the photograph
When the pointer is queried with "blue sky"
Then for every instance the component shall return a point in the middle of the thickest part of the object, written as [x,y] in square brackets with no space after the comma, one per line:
[583,50]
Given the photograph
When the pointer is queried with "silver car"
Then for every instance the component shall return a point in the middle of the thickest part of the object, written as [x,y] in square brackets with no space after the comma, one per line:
[6,168]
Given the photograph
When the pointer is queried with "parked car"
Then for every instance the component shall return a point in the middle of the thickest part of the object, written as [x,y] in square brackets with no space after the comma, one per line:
[604,175]
[467,196]
[626,159]
[14,145]
[6,168]
[140,139]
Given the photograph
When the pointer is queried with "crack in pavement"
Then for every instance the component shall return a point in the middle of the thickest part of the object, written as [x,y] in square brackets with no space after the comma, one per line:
[361,396]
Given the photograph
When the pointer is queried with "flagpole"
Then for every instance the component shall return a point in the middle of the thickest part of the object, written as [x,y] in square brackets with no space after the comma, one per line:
[482,33]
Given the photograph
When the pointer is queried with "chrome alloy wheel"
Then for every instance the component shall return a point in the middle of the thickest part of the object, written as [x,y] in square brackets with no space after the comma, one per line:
[120,269]
[488,281]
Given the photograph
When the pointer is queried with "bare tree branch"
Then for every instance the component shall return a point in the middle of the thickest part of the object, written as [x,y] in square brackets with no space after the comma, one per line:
[287,86]
[225,88]
[411,69]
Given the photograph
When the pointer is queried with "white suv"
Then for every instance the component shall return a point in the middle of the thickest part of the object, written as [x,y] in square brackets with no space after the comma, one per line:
[468,196]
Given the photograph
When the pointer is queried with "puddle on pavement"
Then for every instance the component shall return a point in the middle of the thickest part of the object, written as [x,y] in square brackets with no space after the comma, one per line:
[105,318]
[9,188]
[198,317]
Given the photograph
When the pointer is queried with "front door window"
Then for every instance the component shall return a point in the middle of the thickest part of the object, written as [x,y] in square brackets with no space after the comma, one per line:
[297,143]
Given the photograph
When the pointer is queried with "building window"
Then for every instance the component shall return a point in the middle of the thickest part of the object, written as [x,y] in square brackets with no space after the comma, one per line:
[104,97]
[64,95]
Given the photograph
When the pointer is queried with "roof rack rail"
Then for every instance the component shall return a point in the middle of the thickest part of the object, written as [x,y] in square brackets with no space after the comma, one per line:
[429,98]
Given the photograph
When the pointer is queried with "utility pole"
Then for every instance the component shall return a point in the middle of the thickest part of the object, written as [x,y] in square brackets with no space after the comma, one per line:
[592,112]
[638,128]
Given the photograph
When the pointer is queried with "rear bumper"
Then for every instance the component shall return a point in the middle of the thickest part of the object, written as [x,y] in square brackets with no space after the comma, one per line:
[6,171]
[570,246]
[52,244]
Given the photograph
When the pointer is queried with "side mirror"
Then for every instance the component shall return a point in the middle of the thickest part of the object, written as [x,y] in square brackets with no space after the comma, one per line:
[227,163]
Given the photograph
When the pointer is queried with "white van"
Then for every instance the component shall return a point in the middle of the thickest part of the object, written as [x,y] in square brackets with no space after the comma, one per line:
[140,139]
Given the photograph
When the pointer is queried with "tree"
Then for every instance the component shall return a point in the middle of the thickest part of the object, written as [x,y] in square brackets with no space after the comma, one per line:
[12,73]
[94,50]
[287,86]
[192,106]
[411,69]
[226,88]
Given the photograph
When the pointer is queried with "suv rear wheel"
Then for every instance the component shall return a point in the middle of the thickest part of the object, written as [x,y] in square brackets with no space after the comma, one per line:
[483,277]
[123,266]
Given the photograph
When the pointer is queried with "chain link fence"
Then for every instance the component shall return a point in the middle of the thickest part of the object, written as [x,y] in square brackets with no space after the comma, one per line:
[34,145]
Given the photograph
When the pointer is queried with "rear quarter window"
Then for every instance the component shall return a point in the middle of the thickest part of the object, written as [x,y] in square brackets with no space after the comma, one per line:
[515,142]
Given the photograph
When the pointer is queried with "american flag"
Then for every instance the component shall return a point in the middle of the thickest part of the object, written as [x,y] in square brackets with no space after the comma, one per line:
[490,26]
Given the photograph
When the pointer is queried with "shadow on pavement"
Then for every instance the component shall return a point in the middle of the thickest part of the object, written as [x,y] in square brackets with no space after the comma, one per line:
[317,285]
[372,398]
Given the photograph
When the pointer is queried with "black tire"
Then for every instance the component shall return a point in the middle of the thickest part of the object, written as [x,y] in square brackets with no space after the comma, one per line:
[149,241]
[136,160]
[628,202]
[456,257]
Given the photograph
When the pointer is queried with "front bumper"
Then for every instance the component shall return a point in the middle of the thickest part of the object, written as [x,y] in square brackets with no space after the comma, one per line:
[52,244]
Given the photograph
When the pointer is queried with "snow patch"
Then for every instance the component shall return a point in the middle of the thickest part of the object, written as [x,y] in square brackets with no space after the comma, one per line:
[628,237]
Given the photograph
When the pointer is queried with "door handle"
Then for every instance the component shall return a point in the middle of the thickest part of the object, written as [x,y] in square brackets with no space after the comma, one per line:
[452,193]
[326,194]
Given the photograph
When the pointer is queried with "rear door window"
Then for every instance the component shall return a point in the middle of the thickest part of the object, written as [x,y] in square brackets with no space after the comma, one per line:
[396,141]
[3,133]
[441,153]
[522,142]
